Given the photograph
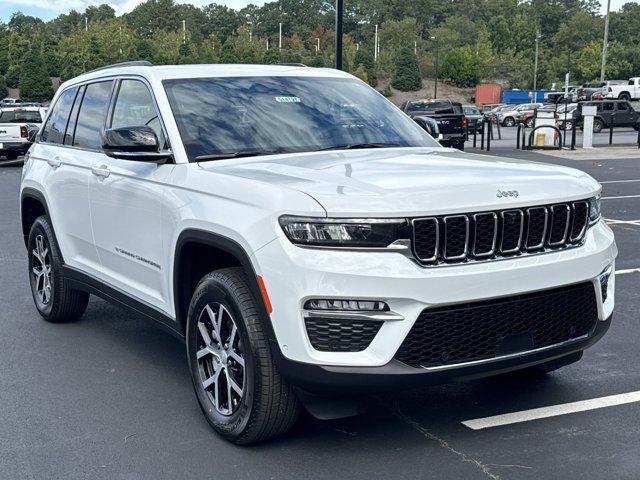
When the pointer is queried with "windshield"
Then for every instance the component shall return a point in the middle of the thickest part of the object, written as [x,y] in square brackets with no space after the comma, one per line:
[262,115]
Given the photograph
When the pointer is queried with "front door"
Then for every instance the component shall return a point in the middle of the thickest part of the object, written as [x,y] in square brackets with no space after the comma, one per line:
[127,199]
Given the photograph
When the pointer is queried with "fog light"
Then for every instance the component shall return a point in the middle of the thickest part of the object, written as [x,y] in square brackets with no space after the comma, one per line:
[346,305]
[603,278]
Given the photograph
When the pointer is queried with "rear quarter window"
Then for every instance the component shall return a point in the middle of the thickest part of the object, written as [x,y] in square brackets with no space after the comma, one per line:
[53,131]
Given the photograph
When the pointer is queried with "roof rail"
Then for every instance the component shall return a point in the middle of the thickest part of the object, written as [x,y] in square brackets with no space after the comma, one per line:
[293,64]
[133,63]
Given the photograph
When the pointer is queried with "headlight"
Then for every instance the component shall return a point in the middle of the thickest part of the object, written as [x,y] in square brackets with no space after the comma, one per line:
[344,233]
[594,210]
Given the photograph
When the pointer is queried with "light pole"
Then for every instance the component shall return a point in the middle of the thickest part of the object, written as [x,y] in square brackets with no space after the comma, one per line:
[605,42]
[317,44]
[375,45]
[338,41]
[184,31]
[535,69]
[280,36]
[435,86]
[250,32]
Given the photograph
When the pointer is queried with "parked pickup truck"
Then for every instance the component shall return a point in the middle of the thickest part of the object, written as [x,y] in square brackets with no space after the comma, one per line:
[620,113]
[630,91]
[452,123]
[18,127]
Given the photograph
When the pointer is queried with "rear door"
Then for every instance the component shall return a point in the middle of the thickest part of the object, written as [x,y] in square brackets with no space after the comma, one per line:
[127,204]
[67,180]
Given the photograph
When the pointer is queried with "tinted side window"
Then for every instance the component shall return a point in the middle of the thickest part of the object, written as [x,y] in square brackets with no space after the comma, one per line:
[134,107]
[623,106]
[53,131]
[71,126]
[91,117]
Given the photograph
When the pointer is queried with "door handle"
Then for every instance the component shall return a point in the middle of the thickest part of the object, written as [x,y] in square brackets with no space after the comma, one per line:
[101,171]
[54,162]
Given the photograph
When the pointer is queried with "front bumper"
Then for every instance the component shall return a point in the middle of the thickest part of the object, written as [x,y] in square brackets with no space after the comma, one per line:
[294,275]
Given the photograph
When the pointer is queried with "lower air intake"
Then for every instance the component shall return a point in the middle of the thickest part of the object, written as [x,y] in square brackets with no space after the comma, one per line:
[492,328]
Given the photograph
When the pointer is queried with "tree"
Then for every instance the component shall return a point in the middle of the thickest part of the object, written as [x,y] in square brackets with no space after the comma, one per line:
[3,87]
[35,84]
[460,66]
[407,75]
[364,59]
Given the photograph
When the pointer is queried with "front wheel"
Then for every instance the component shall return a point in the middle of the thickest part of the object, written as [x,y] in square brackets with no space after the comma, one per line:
[238,387]
[509,122]
[54,299]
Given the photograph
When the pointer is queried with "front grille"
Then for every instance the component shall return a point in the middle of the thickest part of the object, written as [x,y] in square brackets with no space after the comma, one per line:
[488,329]
[486,235]
[341,335]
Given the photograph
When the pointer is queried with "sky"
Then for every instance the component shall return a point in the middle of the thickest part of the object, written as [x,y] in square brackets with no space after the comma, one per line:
[48,9]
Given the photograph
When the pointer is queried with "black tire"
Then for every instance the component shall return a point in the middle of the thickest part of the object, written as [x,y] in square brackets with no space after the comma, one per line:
[267,406]
[458,145]
[598,125]
[11,155]
[552,365]
[58,303]
[624,96]
[529,123]
[508,122]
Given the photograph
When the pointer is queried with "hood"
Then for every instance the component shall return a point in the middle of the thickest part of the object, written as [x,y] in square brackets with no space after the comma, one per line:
[413,181]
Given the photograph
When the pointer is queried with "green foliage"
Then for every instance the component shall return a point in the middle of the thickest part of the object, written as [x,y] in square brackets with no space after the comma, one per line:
[407,75]
[476,40]
[461,67]
[364,59]
[3,87]
[35,84]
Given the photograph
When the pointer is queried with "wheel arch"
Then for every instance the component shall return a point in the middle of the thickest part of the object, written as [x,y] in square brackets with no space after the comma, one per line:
[199,252]
[32,205]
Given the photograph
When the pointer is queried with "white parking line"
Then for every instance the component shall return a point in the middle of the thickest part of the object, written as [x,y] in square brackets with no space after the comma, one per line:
[627,270]
[621,196]
[621,181]
[553,411]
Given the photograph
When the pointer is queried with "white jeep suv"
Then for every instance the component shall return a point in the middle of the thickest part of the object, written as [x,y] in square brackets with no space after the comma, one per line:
[306,238]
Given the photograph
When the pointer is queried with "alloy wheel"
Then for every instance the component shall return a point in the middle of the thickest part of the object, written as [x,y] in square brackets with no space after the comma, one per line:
[42,270]
[221,362]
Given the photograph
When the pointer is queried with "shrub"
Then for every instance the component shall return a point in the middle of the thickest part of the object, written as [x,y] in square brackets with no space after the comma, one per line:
[460,66]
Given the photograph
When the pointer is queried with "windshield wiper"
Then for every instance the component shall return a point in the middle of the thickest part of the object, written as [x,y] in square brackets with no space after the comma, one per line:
[354,146]
[222,156]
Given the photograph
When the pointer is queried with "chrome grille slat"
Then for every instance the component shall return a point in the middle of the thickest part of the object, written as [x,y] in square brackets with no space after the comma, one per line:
[452,240]
[580,218]
[480,237]
[558,212]
[536,228]
[483,236]
[512,223]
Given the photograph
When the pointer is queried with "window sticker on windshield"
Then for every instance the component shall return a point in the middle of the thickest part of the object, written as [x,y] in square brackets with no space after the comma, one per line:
[287,99]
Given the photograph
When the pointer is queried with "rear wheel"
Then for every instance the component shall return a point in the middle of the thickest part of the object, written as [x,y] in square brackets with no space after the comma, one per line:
[509,122]
[53,297]
[624,96]
[597,125]
[238,387]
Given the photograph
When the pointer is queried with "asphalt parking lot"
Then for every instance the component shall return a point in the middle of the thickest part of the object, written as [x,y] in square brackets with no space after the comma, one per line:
[109,397]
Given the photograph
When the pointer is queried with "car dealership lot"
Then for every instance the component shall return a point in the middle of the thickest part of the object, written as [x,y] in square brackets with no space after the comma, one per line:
[110,397]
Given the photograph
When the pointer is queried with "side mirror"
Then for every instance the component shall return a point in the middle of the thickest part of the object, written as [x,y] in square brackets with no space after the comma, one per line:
[134,143]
